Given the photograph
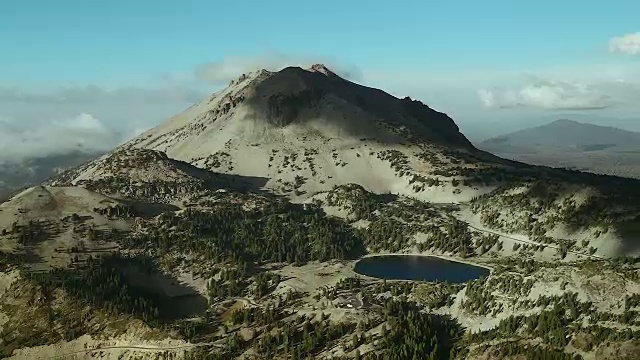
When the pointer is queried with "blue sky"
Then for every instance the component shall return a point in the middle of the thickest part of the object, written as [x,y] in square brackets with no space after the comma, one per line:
[87,41]
[481,61]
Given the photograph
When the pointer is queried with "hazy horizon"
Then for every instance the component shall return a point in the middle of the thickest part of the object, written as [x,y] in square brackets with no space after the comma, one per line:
[90,76]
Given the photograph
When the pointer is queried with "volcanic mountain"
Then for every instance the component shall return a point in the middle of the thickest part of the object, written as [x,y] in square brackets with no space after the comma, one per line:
[307,130]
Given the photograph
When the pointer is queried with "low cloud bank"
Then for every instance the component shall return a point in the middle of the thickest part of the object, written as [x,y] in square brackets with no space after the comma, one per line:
[83,133]
[91,94]
[549,95]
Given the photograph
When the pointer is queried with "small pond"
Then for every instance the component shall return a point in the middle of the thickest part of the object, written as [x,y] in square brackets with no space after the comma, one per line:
[183,306]
[420,268]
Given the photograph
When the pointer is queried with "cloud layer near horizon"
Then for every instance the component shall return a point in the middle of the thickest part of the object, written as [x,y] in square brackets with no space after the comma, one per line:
[83,133]
[93,118]
[90,119]
[548,95]
[93,94]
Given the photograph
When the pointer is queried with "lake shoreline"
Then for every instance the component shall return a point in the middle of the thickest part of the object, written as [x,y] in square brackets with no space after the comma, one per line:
[443,257]
[418,267]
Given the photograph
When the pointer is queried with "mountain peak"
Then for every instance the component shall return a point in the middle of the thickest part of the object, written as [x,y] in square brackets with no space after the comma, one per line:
[565,121]
[320,68]
[262,73]
[301,111]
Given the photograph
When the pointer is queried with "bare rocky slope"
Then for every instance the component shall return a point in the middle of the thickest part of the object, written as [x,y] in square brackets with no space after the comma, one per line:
[317,126]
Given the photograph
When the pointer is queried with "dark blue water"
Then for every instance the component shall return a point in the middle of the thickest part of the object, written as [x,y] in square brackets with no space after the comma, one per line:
[421,268]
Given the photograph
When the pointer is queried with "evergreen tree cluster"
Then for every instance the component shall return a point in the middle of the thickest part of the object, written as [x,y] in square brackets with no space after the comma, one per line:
[301,338]
[8,260]
[510,283]
[412,334]
[512,349]
[279,232]
[555,326]
[265,282]
[258,316]
[116,211]
[31,232]
[102,282]
[479,298]
[232,282]
[360,203]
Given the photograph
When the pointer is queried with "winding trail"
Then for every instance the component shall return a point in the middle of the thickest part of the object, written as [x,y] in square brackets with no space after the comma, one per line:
[144,348]
[527,241]
[125,347]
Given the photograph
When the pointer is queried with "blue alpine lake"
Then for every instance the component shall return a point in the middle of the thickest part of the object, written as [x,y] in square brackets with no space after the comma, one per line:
[418,268]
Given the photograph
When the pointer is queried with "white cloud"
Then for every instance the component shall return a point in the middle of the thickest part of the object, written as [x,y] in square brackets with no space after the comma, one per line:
[549,95]
[83,122]
[222,71]
[628,44]
[83,118]
[83,133]
[95,94]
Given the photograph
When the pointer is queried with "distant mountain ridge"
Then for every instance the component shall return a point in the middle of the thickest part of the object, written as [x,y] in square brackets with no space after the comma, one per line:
[572,144]
[28,172]
[564,134]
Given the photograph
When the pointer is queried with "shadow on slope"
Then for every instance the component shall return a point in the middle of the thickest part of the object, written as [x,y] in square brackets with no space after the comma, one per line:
[148,209]
[126,284]
[630,230]
[242,183]
[294,95]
